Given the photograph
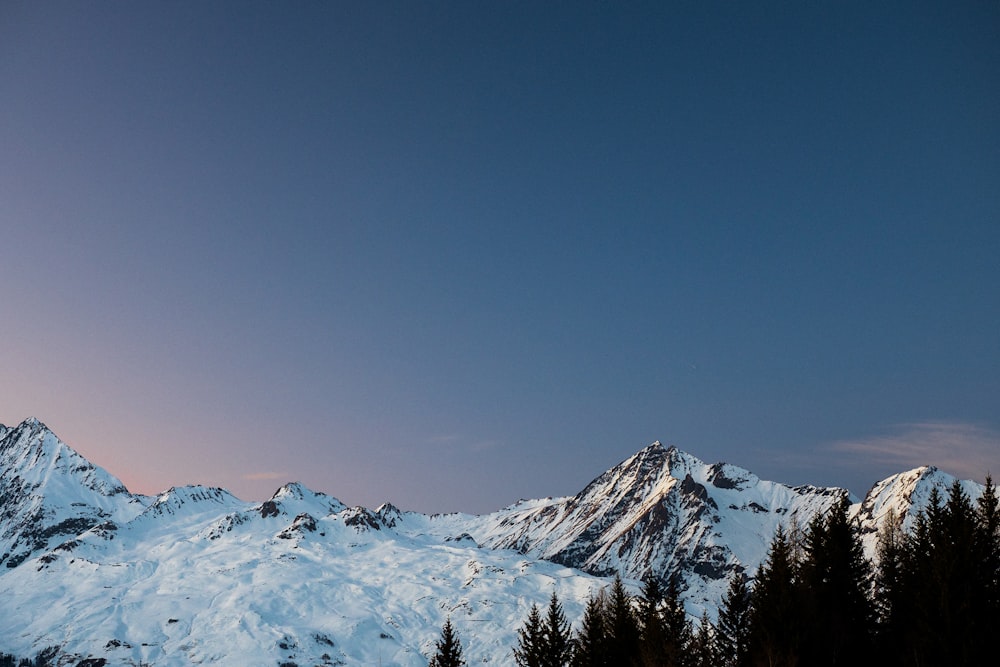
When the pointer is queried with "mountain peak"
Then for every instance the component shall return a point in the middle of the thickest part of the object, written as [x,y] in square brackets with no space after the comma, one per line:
[296,498]
[28,432]
[291,490]
[51,492]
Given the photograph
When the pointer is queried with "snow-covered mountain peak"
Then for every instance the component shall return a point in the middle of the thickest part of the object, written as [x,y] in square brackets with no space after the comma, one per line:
[295,498]
[291,490]
[902,497]
[48,492]
[661,512]
[34,453]
[176,497]
[389,514]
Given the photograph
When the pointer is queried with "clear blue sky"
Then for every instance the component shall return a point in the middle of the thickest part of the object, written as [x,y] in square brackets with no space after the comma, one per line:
[454,254]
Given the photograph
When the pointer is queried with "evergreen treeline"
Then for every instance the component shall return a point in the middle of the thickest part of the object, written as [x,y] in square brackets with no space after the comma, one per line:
[41,660]
[932,599]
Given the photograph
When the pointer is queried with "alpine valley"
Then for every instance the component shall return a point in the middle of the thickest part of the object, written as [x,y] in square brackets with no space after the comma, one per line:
[94,574]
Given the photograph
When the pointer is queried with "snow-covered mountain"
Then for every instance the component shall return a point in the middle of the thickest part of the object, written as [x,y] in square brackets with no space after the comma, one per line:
[49,493]
[198,576]
[660,512]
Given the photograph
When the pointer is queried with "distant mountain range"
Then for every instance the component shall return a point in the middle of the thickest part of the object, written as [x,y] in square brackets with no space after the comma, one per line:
[198,576]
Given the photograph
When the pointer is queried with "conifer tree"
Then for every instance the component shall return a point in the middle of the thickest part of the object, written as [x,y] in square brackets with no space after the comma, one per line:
[623,629]
[775,620]
[676,628]
[530,641]
[449,649]
[591,646]
[835,584]
[889,587]
[938,613]
[702,651]
[652,635]
[960,570]
[732,636]
[556,635]
[988,555]
[908,621]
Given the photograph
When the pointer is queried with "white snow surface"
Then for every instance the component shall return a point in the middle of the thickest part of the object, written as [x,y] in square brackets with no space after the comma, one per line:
[198,576]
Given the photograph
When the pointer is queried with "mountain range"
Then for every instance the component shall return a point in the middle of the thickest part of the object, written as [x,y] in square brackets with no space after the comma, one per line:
[91,572]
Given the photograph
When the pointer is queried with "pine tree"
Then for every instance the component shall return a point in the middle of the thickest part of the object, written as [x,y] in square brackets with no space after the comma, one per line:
[909,624]
[449,649]
[733,631]
[835,583]
[987,609]
[775,620]
[590,649]
[961,574]
[889,586]
[652,635]
[702,651]
[938,613]
[623,629]
[557,636]
[677,630]
[530,641]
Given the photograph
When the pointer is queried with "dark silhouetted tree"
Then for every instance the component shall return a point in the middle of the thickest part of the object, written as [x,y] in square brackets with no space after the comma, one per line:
[701,652]
[677,629]
[835,585]
[652,635]
[530,641]
[449,649]
[557,646]
[590,647]
[732,634]
[623,629]
[776,616]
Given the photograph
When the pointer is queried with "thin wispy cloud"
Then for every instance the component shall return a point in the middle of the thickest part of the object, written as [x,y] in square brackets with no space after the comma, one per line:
[966,450]
[265,476]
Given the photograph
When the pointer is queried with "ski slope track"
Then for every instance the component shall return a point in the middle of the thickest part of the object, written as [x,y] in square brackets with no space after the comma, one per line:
[197,576]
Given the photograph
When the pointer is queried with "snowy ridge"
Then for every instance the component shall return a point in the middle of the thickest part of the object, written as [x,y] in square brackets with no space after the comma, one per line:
[198,576]
[662,512]
[902,497]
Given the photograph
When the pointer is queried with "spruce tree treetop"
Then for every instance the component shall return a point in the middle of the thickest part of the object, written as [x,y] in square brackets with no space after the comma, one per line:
[530,641]
[591,646]
[557,636]
[449,649]
[732,637]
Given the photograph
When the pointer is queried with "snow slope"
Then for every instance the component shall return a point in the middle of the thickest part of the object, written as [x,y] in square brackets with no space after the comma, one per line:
[198,576]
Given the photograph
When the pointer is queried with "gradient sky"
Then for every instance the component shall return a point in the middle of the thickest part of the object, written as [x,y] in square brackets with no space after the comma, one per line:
[455,254]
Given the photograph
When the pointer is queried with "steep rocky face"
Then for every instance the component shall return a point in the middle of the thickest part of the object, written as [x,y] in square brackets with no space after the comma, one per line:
[661,512]
[49,493]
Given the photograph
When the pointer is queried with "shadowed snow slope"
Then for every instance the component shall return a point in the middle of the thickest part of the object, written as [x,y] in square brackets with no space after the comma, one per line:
[198,576]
